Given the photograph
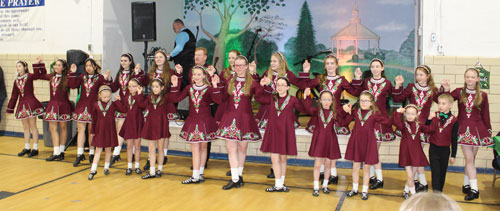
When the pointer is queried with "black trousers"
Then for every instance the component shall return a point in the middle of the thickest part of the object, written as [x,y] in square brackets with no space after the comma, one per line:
[438,157]
[186,67]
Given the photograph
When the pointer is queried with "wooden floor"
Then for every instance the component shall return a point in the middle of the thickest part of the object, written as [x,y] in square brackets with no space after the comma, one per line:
[34,184]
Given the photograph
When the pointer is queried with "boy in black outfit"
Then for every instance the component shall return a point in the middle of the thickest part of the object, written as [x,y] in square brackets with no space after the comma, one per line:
[440,141]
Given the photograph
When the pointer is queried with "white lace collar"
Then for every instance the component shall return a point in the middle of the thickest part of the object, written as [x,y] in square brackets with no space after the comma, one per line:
[126,71]
[58,75]
[240,79]
[198,88]
[331,78]
[377,81]
[421,88]
[159,71]
[23,76]
[469,91]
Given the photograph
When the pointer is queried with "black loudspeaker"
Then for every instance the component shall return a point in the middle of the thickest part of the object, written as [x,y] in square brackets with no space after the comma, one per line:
[77,57]
[143,21]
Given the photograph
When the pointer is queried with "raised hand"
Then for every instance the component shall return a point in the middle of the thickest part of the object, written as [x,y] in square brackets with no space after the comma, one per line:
[307,92]
[38,60]
[73,68]
[174,80]
[399,81]
[178,69]
[253,68]
[137,69]
[358,73]
[117,97]
[306,66]
[401,110]
[215,81]
[432,115]
[139,90]
[446,85]
[107,74]
[211,70]
[265,81]
[347,108]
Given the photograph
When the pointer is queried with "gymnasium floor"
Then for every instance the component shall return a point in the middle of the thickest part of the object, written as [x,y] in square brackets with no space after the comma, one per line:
[34,184]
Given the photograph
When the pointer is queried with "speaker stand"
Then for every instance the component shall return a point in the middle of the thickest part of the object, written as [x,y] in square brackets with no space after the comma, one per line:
[145,54]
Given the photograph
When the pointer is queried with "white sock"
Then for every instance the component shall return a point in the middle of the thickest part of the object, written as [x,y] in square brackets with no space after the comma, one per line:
[416,177]
[333,172]
[355,187]
[372,171]
[412,190]
[152,170]
[378,172]
[365,189]
[136,165]
[129,165]
[283,179]
[133,150]
[27,145]
[423,181]
[234,175]
[473,184]
[35,146]
[106,165]
[94,167]
[466,180]
[61,148]
[91,151]
[196,174]
[117,150]
[160,167]
[407,189]
[202,170]
[79,151]
[322,168]
[56,151]
[325,183]
[240,171]
[316,185]
[278,183]
[165,152]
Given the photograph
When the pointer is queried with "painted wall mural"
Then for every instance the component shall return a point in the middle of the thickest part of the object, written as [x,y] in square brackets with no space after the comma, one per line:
[354,31]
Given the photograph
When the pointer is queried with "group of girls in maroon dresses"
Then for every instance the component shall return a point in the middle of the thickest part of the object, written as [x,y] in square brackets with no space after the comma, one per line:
[128,70]
[133,116]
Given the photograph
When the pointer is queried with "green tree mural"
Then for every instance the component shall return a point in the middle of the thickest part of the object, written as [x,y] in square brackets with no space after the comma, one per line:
[271,27]
[242,43]
[226,9]
[305,42]
[408,46]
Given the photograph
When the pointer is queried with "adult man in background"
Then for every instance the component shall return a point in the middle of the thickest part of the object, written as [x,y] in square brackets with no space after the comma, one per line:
[184,47]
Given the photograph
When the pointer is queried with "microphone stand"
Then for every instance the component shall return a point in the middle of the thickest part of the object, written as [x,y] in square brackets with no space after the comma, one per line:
[249,53]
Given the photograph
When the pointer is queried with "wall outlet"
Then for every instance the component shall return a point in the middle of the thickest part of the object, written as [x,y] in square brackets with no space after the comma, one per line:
[90,47]
[433,37]
[440,48]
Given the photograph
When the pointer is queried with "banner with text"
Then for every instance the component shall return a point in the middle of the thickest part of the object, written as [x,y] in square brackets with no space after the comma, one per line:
[22,20]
